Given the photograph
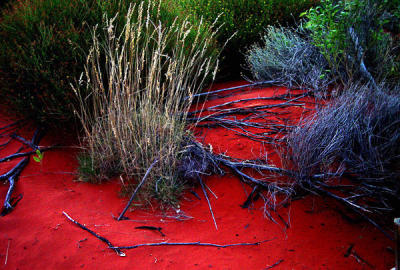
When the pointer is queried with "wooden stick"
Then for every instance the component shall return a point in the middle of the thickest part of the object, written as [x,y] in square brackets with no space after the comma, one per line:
[8,247]
[18,155]
[275,264]
[101,238]
[121,216]
[190,244]
[233,88]
[208,201]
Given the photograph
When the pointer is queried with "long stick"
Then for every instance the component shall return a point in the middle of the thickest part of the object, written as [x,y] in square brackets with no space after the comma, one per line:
[208,201]
[18,155]
[119,252]
[234,88]
[190,244]
[136,190]
[275,264]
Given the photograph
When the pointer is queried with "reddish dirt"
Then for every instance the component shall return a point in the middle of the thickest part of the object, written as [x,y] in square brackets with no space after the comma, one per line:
[37,236]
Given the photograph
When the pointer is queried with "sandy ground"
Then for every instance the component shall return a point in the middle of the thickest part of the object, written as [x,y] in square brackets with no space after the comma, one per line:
[37,236]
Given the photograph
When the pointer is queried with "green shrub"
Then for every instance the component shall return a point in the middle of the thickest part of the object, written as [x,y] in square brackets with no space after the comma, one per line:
[288,59]
[246,18]
[43,48]
[329,26]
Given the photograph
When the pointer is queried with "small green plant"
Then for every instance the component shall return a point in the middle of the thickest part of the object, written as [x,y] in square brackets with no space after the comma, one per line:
[329,25]
[39,156]
[86,169]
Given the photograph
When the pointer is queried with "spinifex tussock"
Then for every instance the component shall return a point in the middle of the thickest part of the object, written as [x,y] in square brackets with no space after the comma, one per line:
[135,109]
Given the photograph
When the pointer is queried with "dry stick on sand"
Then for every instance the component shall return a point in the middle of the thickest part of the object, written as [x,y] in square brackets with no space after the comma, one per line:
[191,244]
[208,201]
[121,216]
[275,264]
[119,252]
[8,247]
[122,254]
[18,155]
[233,88]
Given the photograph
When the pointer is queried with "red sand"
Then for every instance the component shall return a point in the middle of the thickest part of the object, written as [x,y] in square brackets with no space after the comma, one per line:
[37,236]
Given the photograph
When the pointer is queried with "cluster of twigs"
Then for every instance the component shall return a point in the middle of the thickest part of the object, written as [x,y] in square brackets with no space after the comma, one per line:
[12,175]
[356,137]
[261,123]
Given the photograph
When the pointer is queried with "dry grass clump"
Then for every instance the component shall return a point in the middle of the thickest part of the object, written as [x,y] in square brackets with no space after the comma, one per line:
[135,109]
[357,135]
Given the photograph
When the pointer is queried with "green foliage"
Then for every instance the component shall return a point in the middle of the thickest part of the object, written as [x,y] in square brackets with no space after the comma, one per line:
[39,156]
[329,26]
[86,169]
[43,48]
[246,18]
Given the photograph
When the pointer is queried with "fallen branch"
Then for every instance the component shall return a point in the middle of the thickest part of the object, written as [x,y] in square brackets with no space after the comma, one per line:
[122,254]
[151,228]
[121,216]
[12,176]
[101,238]
[233,88]
[208,201]
[191,244]
[18,155]
[24,141]
[275,264]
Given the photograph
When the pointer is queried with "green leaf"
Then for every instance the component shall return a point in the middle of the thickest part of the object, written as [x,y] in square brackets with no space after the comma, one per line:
[39,154]
[36,159]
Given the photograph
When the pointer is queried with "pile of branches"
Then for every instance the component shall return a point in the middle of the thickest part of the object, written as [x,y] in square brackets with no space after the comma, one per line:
[261,123]
[12,176]
[356,138]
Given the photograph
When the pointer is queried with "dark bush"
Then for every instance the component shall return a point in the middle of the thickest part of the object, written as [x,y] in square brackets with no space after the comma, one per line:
[43,48]
[246,18]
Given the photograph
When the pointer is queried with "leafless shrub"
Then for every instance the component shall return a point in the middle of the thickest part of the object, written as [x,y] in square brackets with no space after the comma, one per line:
[288,59]
[357,136]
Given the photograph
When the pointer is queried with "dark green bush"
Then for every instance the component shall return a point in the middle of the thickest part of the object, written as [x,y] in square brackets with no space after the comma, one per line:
[329,25]
[246,18]
[43,47]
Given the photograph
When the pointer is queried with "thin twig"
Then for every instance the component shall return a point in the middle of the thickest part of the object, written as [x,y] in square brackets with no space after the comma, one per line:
[190,244]
[8,247]
[119,252]
[233,88]
[121,216]
[208,201]
[18,155]
[275,264]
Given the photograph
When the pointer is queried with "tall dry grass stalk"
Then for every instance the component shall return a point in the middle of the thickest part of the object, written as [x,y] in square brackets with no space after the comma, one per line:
[136,104]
